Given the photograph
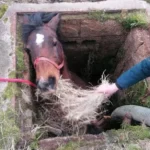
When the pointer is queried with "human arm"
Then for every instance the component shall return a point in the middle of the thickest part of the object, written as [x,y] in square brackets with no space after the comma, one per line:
[132,76]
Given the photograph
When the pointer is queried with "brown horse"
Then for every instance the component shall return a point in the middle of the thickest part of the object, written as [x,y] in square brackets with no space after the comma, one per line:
[40,38]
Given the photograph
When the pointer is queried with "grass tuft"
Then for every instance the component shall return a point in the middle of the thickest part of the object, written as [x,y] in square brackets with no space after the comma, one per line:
[135,95]
[3,9]
[136,19]
[103,16]
[9,133]
[133,133]
[70,146]
[128,20]
[133,147]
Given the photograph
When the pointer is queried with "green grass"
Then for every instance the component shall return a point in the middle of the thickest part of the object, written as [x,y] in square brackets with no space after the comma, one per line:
[34,144]
[3,9]
[128,20]
[20,63]
[11,90]
[70,146]
[138,132]
[9,133]
[133,147]
[135,19]
[124,136]
[103,16]
[131,133]
[134,95]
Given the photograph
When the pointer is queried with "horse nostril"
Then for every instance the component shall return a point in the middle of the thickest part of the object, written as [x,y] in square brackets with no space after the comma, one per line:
[51,81]
[42,85]
[46,85]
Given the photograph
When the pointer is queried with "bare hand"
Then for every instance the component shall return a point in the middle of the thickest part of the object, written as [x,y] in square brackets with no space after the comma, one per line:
[107,88]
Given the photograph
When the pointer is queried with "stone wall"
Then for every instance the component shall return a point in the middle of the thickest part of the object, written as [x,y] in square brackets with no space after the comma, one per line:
[136,48]
[85,39]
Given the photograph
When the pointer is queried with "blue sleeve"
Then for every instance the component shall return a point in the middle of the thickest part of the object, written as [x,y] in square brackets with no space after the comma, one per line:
[135,74]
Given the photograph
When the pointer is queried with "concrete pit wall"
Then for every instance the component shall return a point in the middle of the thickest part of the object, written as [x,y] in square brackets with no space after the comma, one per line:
[91,44]
[101,39]
[90,47]
[86,39]
[135,48]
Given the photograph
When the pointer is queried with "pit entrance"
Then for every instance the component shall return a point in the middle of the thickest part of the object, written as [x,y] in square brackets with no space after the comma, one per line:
[91,47]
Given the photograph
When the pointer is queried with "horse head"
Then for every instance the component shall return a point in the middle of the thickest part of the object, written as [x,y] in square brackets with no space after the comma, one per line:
[40,38]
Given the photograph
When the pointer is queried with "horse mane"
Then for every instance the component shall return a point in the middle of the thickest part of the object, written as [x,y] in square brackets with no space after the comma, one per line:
[35,20]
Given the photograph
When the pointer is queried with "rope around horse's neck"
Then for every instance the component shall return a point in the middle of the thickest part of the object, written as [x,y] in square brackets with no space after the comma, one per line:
[17,81]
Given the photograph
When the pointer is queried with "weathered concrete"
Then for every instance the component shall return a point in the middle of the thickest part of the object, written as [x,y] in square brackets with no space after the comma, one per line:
[114,5]
[7,53]
[136,49]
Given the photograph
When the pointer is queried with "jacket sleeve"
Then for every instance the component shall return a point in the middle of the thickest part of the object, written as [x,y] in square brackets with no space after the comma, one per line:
[135,74]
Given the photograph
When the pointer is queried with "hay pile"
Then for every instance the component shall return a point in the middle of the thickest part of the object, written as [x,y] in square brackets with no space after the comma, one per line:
[78,104]
[72,105]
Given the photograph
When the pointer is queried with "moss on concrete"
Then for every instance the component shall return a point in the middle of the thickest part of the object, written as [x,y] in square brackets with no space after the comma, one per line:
[134,95]
[131,133]
[135,19]
[11,90]
[127,136]
[20,64]
[34,144]
[70,146]
[133,147]
[20,61]
[5,19]
[103,16]
[12,74]
[9,133]
[3,9]
[128,20]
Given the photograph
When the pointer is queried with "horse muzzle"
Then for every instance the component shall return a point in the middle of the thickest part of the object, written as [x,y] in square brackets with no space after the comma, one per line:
[47,85]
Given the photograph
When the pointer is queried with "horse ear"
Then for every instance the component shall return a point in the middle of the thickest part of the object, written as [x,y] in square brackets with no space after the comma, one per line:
[53,23]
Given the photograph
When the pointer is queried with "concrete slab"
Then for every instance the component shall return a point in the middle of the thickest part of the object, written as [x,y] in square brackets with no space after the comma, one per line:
[82,6]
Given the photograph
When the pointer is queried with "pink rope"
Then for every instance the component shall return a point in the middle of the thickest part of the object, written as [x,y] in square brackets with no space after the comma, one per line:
[18,81]
[48,60]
